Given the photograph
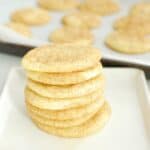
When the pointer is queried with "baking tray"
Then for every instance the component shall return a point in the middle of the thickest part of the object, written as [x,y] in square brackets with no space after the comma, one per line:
[41,33]
[128,128]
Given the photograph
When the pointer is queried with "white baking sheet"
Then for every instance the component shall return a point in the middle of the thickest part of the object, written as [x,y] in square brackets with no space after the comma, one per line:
[128,128]
[41,33]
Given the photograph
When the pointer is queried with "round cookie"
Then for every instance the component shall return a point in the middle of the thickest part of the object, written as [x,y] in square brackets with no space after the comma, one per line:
[128,43]
[100,7]
[82,20]
[20,28]
[61,123]
[142,9]
[61,58]
[31,16]
[72,35]
[72,113]
[134,24]
[65,78]
[94,124]
[59,5]
[57,103]
[67,91]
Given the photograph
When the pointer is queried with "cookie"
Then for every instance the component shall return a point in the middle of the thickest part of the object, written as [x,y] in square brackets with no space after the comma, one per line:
[31,16]
[61,58]
[100,7]
[20,28]
[72,113]
[67,91]
[134,24]
[58,5]
[82,20]
[128,43]
[61,123]
[72,35]
[60,103]
[65,78]
[93,125]
[142,9]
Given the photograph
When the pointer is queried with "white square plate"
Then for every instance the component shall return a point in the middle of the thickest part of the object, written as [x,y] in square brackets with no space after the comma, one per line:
[41,33]
[128,128]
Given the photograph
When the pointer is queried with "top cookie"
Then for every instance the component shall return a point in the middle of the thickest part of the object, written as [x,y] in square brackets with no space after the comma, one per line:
[60,5]
[100,7]
[61,58]
[82,20]
[31,16]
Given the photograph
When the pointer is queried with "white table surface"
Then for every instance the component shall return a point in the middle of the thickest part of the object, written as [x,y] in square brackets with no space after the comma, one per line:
[9,61]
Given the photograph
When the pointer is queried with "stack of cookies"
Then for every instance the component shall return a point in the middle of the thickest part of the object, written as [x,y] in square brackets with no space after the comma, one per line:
[65,89]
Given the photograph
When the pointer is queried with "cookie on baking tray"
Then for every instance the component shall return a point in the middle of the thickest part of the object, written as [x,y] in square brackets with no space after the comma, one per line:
[100,7]
[75,35]
[59,5]
[31,16]
[20,28]
[129,43]
[82,20]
